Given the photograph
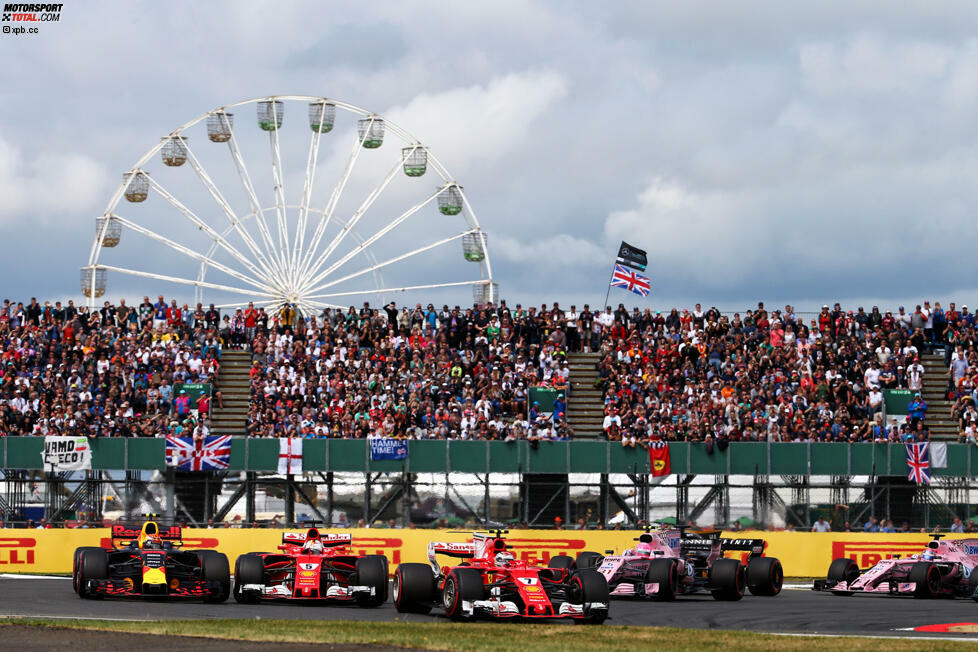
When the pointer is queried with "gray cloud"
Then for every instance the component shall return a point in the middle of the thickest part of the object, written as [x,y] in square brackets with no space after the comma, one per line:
[759,151]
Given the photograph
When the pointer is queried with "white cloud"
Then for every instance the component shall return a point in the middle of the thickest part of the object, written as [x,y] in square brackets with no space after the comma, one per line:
[482,122]
[870,64]
[48,184]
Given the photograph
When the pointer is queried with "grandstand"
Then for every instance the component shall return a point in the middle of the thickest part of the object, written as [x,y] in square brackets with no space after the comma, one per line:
[421,372]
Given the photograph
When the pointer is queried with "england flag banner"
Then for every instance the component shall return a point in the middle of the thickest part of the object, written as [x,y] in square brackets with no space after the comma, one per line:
[289,456]
[67,454]
[383,448]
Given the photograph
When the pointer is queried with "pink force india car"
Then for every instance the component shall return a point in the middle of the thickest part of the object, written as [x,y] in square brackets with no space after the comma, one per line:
[942,569]
[667,563]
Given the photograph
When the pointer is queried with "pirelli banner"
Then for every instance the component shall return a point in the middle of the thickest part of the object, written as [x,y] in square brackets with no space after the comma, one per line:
[803,554]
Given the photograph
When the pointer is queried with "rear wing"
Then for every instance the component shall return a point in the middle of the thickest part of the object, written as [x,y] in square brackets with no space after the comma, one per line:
[128,533]
[328,539]
[754,546]
[449,549]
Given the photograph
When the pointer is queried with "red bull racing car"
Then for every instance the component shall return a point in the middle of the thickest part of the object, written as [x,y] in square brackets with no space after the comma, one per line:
[490,582]
[312,566]
[148,562]
[667,563]
[942,569]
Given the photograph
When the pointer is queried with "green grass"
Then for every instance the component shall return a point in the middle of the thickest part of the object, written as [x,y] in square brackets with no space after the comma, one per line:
[490,636]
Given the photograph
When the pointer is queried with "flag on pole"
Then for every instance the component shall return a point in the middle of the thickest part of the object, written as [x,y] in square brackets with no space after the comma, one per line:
[205,454]
[289,456]
[626,279]
[632,257]
[918,463]
[659,460]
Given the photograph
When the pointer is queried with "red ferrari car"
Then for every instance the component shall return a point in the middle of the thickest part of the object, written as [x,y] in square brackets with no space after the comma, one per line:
[312,566]
[489,581]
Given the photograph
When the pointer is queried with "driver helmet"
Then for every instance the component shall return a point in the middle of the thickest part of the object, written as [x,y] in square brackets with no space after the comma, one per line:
[314,546]
[928,554]
[152,542]
[643,549]
[504,558]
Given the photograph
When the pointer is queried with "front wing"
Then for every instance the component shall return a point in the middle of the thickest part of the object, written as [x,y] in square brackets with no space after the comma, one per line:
[498,608]
[283,592]
[192,589]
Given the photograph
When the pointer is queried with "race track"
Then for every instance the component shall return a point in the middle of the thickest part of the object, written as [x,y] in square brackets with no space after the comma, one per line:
[794,611]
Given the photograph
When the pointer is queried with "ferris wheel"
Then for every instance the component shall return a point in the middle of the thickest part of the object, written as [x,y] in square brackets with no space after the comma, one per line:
[201,216]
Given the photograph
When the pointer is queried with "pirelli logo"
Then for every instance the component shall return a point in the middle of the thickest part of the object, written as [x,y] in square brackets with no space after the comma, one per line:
[868,553]
[17,550]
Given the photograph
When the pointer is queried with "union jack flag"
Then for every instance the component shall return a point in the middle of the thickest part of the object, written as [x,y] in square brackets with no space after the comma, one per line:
[628,280]
[209,454]
[918,461]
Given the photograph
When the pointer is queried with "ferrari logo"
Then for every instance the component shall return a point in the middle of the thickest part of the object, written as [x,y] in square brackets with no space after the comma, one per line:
[659,465]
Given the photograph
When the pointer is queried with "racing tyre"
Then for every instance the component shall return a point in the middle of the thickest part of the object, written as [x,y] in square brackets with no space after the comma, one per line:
[414,588]
[372,572]
[564,562]
[590,587]
[248,569]
[214,567]
[842,570]
[76,565]
[461,585]
[764,576]
[927,578]
[587,559]
[665,573]
[93,564]
[728,579]
[973,585]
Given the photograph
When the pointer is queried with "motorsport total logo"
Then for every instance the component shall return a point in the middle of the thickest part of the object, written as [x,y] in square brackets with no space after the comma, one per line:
[31,13]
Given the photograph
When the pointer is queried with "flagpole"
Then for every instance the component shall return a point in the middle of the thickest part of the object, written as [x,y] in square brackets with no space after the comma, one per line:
[608,293]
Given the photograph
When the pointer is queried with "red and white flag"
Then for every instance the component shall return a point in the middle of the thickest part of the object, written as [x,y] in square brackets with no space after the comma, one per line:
[659,460]
[289,456]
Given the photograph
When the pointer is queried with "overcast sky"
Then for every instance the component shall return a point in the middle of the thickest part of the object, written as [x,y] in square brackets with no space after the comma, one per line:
[783,152]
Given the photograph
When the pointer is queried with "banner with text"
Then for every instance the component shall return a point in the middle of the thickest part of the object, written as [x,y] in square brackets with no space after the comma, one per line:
[803,554]
[383,448]
[67,454]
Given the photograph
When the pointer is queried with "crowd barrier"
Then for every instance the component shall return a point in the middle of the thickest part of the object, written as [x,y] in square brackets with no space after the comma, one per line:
[803,554]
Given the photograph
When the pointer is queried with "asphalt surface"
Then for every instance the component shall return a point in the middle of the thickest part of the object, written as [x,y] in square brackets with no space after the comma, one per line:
[794,611]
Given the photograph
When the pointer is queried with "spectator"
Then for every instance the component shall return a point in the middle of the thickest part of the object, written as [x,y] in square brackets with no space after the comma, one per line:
[821,525]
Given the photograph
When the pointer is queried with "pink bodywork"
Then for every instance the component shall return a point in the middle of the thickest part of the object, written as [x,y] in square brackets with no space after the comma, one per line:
[663,544]
[959,558]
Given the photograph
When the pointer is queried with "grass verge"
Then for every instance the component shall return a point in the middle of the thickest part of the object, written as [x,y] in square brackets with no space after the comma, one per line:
[489,636]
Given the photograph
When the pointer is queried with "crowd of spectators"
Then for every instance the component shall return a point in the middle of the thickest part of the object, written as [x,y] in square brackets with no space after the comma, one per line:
[425,372]
[770,375]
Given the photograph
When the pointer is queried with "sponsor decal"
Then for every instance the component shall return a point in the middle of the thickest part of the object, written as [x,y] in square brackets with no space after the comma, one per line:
[868,553]
[16,551]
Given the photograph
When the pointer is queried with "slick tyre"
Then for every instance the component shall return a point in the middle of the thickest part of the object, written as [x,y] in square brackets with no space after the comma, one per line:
[728,579]
[461,585]
[926,578]
[372,572]
[76,565]
[764,576]
[589,587]
[214,567]
[414,589]
[93,564]
[842,570]
[587,559]
[664,573]
[563,562]
[248,569]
